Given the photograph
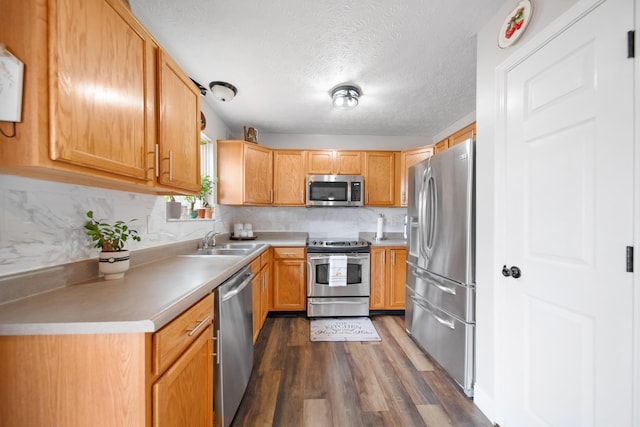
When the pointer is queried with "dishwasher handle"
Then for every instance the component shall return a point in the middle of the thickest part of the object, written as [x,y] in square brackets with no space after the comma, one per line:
[236,287]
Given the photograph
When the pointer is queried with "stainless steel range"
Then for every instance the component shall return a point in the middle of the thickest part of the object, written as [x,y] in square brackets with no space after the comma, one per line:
[338,277]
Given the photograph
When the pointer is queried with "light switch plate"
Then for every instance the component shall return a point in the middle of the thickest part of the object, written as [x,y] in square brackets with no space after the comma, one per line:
[11,78]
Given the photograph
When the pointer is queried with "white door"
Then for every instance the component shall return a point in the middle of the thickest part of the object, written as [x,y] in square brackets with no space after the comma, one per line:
[568,120]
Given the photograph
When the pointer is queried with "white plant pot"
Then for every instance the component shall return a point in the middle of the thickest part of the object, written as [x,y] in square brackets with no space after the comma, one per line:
[113,264]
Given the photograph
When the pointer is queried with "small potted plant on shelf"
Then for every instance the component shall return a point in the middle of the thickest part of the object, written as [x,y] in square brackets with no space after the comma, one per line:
[174,208]
[191,213]
[206,189]
[110,239]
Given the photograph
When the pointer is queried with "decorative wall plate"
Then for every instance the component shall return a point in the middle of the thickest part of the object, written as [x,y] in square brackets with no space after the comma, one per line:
[203,121]
[515,24]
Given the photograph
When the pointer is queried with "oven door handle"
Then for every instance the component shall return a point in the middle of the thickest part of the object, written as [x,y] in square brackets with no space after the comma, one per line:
[333,302]
[310,281]
[327,257]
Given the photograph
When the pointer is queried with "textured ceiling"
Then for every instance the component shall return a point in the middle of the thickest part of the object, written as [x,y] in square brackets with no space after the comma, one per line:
[414,60]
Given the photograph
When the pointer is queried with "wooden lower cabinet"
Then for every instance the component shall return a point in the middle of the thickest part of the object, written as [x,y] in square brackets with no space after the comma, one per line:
[124,379]
[388,278]
[183,396]
[289,279]
[261,285]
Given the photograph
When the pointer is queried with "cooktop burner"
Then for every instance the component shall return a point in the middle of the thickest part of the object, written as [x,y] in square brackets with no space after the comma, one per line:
[337,245]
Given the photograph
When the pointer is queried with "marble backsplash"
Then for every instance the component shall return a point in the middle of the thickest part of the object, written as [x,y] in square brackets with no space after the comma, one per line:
[41,221]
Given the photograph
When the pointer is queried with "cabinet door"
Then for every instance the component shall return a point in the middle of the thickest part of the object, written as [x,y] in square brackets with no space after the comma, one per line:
[441,146]
[408,159]
[379,179]
[289,172]
[397,279]
[320,162]
[256,288]
[289,285]
[178,128]
[258,173]
[462,135]
[265,294]
[183,396]
[348,163]
[101,88]
[378,278]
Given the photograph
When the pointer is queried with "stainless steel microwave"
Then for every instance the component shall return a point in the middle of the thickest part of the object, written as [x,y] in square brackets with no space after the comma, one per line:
[335,190]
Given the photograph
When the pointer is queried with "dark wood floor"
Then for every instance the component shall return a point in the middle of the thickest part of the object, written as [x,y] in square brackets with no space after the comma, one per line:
[296,382]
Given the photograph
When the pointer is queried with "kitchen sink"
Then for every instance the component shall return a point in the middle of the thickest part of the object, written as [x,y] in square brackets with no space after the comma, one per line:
[227,249]
[240,245]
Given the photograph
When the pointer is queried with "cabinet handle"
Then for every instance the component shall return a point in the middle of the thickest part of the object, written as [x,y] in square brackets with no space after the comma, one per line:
[216,342]
[170,165]
[157,162]
[198,326]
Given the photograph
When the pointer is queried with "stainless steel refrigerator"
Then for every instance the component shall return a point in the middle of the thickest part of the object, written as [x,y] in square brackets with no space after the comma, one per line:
[440,311]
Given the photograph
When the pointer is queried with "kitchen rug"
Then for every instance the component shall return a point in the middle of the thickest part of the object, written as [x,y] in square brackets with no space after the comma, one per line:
[343,329]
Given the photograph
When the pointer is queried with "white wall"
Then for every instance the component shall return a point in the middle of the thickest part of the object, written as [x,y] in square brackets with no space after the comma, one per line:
[41,221]
[488,214]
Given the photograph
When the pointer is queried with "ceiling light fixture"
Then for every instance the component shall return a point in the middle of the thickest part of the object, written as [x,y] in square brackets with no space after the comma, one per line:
[345,97]
[223,91]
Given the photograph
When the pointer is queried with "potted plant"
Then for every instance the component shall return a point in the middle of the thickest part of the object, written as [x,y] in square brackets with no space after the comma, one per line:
[192,213]
[110,239]
[206,189]
[174,208]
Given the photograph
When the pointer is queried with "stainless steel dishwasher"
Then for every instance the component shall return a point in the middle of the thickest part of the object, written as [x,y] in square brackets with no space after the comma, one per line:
[233,321]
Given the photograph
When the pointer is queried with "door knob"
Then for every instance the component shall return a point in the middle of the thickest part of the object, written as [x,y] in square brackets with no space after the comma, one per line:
[513,271]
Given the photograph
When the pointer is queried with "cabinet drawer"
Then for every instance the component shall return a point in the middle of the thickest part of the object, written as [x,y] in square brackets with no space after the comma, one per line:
[292,253]
[169,342]
[256,264]
[265,258]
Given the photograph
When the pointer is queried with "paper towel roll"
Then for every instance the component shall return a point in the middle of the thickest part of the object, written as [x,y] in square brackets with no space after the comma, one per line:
[379,233]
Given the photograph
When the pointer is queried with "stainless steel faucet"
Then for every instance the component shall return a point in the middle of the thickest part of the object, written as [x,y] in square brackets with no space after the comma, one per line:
[209,240]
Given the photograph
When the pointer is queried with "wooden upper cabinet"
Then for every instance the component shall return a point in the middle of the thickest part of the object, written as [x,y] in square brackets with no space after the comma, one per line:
[289,173]
[331,162]
[245,173]
[379,178]
[463,134]
[441,146]
[258,174]
[90,99]
[348,162]
[179,127]
[99,114]
[409,158]
[320,162]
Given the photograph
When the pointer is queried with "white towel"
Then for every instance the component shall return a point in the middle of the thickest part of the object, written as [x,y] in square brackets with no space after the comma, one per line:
[338,270]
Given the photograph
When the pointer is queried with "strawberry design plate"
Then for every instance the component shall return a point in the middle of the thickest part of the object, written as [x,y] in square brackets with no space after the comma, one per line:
[515,24]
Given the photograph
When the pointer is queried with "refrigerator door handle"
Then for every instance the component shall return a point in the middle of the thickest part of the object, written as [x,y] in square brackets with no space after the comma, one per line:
[431,210]
[448,323]
[444,289]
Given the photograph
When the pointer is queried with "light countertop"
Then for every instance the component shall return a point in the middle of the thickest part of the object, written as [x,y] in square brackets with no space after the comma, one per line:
[146,299]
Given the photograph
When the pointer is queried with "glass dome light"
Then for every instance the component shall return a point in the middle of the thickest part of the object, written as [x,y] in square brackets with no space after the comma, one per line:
[345,97]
